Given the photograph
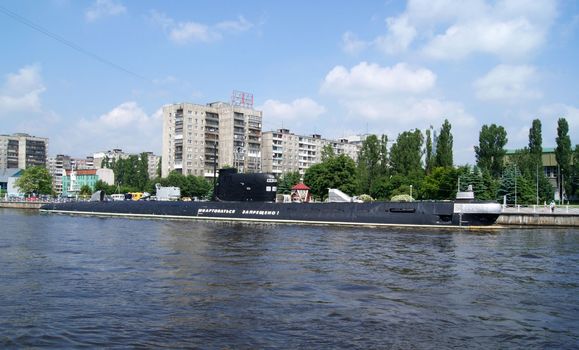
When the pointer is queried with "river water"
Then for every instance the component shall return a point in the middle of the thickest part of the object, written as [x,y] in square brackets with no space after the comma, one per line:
[73,282]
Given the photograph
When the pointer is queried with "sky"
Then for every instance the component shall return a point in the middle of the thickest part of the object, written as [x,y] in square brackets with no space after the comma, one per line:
[93,75]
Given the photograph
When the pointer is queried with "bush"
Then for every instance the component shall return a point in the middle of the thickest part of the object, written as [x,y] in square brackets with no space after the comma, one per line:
[402,198]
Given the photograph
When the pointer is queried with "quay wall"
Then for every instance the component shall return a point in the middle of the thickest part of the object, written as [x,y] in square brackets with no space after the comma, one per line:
[21,205]
[538,216]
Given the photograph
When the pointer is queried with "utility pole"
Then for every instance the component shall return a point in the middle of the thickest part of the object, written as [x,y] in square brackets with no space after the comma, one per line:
[515,185]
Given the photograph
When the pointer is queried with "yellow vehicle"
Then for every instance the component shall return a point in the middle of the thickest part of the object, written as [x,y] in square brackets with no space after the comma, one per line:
[136,195]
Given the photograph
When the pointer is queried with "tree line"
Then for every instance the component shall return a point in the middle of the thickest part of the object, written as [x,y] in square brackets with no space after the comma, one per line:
[131,175]
[422,163]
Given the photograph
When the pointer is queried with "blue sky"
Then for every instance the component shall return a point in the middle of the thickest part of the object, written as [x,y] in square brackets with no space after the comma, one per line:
[327,67]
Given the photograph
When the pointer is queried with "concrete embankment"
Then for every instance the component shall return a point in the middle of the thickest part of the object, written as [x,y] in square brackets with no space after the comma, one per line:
[539,216]
[21,205]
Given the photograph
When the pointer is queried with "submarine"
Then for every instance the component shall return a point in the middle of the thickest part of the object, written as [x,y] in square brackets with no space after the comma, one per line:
[252,198]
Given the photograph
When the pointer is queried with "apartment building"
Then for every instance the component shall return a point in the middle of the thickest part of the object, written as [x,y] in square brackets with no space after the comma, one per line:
[283,151]
[57,166]
[199,138]
[22,151]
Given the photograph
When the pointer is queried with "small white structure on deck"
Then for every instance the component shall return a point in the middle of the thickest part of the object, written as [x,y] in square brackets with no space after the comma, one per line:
[167,193]
[337,196]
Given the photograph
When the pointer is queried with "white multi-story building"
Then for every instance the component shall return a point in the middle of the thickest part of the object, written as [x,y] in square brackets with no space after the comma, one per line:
[57,167]
[22,151]
[200,138]
[283,151]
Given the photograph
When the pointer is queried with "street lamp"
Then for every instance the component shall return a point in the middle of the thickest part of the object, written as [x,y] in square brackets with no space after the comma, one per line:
[214,168]
[410,192]
[515,185]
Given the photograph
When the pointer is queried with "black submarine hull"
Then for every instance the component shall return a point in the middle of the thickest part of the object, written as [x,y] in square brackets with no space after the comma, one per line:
[427,213]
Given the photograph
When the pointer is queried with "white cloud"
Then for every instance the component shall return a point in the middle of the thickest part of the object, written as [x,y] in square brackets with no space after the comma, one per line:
[506,83]
[240,25]
[104,8]
[453,30]
[21,91]
[395,99]
[126,126]
[351,44]
[504,38]
[549,114]
[372,79]
[183,33]
[301,110]
[400,35]
[189,32]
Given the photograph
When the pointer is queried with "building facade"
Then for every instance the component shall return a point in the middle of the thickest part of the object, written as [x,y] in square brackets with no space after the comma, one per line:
[74,180]
[200,138]
[283,151]
[8,179]
[57,167]
[22,151]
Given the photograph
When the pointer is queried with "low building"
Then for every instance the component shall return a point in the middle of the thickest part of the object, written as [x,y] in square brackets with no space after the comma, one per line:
[74,180]
[8,179]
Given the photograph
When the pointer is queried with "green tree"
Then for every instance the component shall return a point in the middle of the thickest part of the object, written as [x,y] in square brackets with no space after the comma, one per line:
[106,162]
[406,153]
[485,187]
[440,184]
[536,143]
[444,145]
[327,152]
[490,152]
[100,185]
[35,180]
[338,172]
[384,154]
[533,174]
[429,158]
[575,172]
[287,181]
[197,186]
[141,176]
[159,167]
[368,167]
[85,190]
[516,187]
[563,154]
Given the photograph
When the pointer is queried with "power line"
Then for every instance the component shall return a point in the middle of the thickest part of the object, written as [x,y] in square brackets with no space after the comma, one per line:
[66,42]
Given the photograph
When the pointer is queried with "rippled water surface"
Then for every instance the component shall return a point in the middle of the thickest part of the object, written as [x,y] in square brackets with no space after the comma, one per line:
[101,282]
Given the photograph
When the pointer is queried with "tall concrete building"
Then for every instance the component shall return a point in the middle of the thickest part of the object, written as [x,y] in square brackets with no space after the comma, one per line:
[197,138]
[57,167]
[283,151]
[22,151]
